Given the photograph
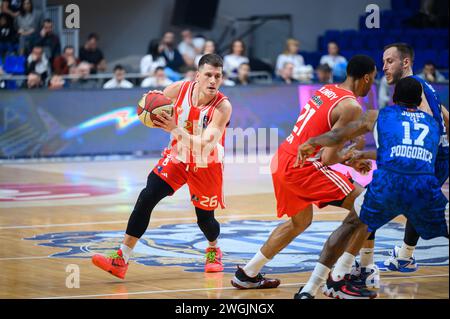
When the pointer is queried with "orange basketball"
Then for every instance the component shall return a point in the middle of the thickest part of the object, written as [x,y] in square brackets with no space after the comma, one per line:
[151,105]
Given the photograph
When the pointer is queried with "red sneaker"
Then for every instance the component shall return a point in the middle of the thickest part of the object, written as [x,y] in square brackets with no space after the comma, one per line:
[112,263]
[213,260]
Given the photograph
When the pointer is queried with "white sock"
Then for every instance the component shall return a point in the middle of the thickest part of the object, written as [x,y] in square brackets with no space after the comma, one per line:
[317,279]
[406,251]
[366,255]
[126,251]
[343,266]
[255,265]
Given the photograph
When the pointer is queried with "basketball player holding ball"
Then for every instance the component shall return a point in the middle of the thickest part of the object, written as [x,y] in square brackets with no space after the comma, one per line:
[194,157]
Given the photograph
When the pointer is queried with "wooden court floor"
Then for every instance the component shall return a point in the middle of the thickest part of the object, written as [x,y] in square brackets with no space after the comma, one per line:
[55,215]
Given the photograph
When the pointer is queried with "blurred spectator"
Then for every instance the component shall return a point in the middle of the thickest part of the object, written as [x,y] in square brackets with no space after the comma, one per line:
[28,23]
[158,80]
[190,74]
[232,61]
[430,74]
[187,48]
[286,74]
[34,81]
[208,48]
[11,8]
[153,58]
[37,62]
[290,54]
[171,54]
[81,81]
[2,83]
[332,58]
[118,81]
[7,35]
[56,82]
[49,40]
[383,93]
[324,74]
[199,43]
[243,74]
[93,55]
[226,81]
[64,62]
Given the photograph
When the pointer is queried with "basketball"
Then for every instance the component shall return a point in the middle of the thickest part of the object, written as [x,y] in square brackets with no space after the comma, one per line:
[151,105]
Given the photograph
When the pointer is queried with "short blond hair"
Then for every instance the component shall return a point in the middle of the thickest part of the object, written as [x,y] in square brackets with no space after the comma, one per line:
[290,42]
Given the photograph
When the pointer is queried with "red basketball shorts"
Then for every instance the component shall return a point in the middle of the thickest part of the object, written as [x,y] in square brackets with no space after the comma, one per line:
[205,184]
[314,183]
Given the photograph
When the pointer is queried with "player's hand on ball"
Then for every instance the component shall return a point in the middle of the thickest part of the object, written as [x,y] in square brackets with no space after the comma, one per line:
[304,151]
[165,122]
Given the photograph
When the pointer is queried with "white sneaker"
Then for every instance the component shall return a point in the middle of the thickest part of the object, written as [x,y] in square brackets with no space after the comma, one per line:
[395,263]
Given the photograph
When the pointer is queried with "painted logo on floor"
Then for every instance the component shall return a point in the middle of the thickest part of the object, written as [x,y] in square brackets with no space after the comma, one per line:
[183,245]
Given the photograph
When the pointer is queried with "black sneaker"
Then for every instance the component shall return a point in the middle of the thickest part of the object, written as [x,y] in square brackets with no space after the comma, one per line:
[344,289]
[242,281]
[302,295]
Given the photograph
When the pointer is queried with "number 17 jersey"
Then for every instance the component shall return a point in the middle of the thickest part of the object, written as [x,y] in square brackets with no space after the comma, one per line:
[315,117]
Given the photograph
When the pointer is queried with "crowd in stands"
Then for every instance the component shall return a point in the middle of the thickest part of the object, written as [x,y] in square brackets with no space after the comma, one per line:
[30,41]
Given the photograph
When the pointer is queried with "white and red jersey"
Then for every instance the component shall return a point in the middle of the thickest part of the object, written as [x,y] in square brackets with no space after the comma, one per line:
[194,120]
[315,117]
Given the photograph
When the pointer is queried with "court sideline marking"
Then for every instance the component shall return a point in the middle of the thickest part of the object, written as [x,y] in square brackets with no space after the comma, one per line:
[210,289]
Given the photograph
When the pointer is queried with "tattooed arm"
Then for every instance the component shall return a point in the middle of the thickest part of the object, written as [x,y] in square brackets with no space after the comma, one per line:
[337,136]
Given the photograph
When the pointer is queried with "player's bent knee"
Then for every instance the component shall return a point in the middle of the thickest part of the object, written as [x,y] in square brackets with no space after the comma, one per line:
[208,224]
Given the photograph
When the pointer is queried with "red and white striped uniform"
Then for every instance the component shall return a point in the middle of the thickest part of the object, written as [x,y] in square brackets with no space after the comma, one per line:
[194,120]
[314,183]
[179,165]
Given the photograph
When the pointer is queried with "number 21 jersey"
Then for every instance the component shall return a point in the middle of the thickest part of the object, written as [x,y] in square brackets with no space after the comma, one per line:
[315,117]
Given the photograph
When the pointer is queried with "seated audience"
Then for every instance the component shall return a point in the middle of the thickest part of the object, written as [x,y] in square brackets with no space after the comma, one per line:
[291,55]
[232,61]
[324,74]
[8,36]
[56,82]
[49,40]
[81,80]
[63,63]
[187,48]
[119,81]
[37,62]
[171,54]
[286,74]
[28,23]
[190,74]
[243,75]
[208,48]
[158,80]
[153,58]
[430,74]
[93,55]
[34,81]
[333,58]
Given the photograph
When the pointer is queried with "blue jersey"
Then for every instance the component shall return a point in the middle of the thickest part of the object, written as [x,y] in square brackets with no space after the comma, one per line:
[435,104]
[407,140]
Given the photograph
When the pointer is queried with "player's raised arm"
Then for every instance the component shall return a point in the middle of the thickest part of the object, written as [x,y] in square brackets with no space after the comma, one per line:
[337,136]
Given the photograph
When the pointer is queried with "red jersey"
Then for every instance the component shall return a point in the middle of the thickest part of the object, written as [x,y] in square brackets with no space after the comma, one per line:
[194,120]
[315,117]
